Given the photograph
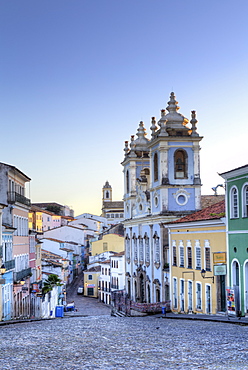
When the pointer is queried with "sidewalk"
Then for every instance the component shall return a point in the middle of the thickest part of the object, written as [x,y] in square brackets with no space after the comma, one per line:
[214,318]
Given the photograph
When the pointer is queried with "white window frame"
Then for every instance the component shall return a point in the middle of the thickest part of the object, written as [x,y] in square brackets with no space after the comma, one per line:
[175,294]
[198,260]
[245,200]
[208,285]
[197,296]
[181,254]
[207,246]
[190,308]
[234,210]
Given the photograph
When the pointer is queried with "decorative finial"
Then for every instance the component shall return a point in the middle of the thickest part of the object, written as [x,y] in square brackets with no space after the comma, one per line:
[153,127]
[132,146]
[172,103]
[126,149]
[193,123]
[141,132]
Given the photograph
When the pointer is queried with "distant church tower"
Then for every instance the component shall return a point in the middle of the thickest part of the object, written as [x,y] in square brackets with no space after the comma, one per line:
[107,192]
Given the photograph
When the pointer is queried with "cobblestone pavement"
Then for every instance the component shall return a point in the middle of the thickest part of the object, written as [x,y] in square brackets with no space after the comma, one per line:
[85,305]
[105,342]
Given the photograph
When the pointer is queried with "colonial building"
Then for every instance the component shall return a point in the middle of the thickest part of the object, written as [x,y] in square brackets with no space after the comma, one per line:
[112,210]
[161,184]
[198,261]
[15,220]
[237,235]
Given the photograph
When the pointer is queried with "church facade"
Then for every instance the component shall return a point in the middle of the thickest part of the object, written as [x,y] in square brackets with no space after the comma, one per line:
[161,184]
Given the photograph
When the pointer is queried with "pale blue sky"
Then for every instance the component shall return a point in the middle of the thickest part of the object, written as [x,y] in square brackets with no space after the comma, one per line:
[77,76]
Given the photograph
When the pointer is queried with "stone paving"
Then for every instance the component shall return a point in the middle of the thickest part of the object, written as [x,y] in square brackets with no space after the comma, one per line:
[105,342]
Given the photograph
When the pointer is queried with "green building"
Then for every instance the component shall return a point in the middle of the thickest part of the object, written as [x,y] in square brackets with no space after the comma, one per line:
[237,233]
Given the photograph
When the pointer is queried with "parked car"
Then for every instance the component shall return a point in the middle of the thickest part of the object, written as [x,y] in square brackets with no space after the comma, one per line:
[80,290]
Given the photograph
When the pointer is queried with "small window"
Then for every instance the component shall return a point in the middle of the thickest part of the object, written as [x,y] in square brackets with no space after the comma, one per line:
[90,277]
[207,259]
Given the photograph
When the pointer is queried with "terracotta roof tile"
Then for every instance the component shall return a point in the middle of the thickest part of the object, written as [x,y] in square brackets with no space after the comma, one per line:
[215,211]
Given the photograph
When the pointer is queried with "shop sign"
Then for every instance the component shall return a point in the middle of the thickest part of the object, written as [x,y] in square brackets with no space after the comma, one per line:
[219,270]
[219,257]
[91,285]
[39,295]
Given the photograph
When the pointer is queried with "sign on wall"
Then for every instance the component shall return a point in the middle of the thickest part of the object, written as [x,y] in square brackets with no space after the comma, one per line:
[219,270]
[219,257]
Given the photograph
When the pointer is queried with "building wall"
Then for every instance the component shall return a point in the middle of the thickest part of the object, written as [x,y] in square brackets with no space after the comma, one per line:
[91,283]
[213,237]
[109,242]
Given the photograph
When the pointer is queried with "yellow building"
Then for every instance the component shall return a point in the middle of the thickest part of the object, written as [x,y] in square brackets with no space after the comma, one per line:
[108,243]
[197,246]
[91,276]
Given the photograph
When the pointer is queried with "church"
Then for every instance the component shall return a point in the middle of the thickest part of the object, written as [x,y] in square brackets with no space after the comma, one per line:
[161,184]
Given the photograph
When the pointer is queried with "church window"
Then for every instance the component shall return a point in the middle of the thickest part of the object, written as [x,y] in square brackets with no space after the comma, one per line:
[234,202]
[180,164]
[127,181]
[245,200]
[107,194]
[135,249]
[147,247]
[157,250]
[141,250]
[128,247]
[155,166]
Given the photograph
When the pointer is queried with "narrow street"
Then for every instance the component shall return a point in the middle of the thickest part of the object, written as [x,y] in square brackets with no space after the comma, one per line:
[85,305]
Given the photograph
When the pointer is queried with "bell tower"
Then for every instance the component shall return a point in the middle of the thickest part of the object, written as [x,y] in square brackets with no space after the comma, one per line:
[106,192]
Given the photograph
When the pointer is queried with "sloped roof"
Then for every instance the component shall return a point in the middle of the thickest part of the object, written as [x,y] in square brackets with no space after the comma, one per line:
[208,200]
[215,211]
[114,204]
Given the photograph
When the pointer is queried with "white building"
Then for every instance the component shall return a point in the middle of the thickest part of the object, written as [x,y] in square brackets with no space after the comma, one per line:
[161,183]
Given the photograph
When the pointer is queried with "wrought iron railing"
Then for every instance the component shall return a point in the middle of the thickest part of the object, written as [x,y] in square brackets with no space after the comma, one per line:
[9,265]
[19,275]
[14,197]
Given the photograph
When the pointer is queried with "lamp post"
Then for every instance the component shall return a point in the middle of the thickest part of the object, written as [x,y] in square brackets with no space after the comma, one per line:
[203,273]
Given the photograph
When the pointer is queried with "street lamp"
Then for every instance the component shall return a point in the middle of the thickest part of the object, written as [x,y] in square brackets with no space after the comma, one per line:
[2,269]
[203,273]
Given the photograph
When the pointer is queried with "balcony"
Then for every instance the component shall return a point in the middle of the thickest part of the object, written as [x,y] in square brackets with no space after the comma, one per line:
[14,197]
[21,275]
[9,265]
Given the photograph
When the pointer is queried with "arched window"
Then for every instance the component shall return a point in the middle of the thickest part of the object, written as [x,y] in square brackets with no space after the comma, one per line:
[155,167]
[127,181]
[180,164]
[234,202]
[107,194]
[245,200]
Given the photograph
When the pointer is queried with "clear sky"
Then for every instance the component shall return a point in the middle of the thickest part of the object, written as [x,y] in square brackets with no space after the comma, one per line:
[77,76]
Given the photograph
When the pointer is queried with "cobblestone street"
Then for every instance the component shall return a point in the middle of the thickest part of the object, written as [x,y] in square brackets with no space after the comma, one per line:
[105,342]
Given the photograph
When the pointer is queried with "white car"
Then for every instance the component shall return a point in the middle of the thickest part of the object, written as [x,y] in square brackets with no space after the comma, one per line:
[80,290]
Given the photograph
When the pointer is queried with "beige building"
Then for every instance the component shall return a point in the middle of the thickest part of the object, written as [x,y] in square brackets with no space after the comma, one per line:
[197,248]
[108,243]
[91,276]
[113,211]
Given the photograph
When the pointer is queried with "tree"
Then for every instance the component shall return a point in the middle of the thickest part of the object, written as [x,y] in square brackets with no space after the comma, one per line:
[55,209]
[50,283]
